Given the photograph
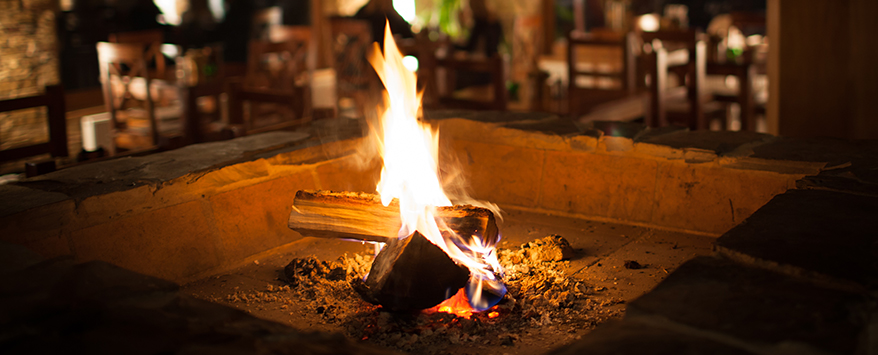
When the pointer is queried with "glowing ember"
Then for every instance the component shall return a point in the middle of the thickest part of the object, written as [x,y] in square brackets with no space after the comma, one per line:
[410,150]
[457,305]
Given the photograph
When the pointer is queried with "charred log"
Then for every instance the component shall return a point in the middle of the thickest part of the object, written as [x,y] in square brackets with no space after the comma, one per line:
[412,274]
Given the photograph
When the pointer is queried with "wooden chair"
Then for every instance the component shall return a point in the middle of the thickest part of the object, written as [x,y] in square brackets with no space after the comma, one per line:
[690,106]
[152,40]
[447,71]
[744,68]
[205,78]
[422,48]
[53,100]
[355,78]
[129,96]
[264,20]
[601,68]
[745,72]
[276,87]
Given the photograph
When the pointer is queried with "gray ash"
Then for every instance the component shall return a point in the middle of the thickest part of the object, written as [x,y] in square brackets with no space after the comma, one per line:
[540,298]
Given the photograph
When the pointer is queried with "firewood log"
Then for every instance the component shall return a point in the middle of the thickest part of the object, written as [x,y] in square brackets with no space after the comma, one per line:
[361,216]
[412,274]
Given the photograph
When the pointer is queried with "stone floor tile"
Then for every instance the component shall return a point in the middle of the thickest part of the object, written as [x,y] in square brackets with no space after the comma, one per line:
[98,308]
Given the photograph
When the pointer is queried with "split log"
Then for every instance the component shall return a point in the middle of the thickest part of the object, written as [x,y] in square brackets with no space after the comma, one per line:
[361,216]
[412,274]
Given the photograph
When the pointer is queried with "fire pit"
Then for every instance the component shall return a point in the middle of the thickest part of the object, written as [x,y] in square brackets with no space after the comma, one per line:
[593,227]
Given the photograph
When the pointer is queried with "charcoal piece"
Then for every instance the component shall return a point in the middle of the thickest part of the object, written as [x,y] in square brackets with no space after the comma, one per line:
[412,274]
[309,268]
[631,264]
[551,248]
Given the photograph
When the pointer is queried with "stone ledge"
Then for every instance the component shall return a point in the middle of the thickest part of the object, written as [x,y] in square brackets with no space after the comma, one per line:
[708,187]
[760,308]
[823,234]
[128,173]
[172,214]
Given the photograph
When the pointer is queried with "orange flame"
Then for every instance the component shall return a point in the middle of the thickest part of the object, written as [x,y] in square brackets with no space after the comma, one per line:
[410,150]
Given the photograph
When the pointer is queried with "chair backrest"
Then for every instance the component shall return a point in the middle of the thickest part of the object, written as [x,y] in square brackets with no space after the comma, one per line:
[53,99]
[121,64]
[152,41]
[601,67]
[351,40]
[451,66]
[279,65]
[693,70]
[303,36]
[264,20]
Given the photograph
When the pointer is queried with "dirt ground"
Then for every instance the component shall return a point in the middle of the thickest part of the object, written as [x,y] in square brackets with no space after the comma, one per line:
[549,303]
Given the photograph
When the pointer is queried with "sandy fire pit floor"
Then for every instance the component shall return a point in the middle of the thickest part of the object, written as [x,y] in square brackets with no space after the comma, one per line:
[612,264]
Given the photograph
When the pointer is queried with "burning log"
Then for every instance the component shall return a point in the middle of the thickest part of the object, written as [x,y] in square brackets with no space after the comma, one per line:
[412,274]
[361,216]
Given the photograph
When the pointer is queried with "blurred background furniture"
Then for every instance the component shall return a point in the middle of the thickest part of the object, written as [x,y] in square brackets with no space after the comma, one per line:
[355,78]
[275,92]
[145,116]
[602,74]
[683,53]
[152,39]
[474,95]
[56,146]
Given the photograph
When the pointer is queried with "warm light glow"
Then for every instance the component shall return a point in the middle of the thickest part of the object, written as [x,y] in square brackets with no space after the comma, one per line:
[410,63]
[406,9]
[169,11]
[410,150]
[648,22]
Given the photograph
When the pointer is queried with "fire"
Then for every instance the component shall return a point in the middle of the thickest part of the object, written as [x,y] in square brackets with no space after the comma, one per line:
[410,150]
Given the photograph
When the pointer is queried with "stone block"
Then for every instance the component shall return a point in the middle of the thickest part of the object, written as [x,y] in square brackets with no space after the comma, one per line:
[488,116]
[830,150]
[757,307]
[53,245]
[615,144]
[720,142]
[824,233]
[174,243]
[42,229]
[349,173]
[620,129]
[710,199]
[551,125]
[491,133]
[500,173]
[615,186]
[628,337]
[153,170]
[253,219]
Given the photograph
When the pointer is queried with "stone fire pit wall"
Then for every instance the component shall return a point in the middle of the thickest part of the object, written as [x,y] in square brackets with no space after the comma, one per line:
[203,209]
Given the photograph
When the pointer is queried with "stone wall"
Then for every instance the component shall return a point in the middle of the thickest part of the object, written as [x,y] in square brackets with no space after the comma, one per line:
[205,208]
[28,62]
